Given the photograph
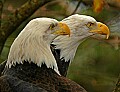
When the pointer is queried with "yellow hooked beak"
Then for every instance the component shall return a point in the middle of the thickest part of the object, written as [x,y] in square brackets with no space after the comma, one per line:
[63,29]
[102,29]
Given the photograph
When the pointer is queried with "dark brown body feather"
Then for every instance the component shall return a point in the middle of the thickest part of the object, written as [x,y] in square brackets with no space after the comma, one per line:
[31,77]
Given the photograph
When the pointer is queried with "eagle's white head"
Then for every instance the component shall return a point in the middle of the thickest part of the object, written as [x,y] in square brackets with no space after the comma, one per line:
[81,27]
[33,43]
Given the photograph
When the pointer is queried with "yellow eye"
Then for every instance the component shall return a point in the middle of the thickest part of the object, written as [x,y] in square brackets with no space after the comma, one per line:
[89,24]
[52,26]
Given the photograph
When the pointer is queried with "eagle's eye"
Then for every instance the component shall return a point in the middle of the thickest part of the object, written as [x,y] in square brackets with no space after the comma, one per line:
[89,24]
[52,26]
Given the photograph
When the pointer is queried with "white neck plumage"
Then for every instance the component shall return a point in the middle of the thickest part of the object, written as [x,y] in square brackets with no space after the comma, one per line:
[67,46]
[31,49]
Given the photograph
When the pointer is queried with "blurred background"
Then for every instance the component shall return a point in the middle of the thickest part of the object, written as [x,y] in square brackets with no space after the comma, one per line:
[96,65]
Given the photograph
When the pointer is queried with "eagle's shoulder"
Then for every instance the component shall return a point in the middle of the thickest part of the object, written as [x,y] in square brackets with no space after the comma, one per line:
[13,84]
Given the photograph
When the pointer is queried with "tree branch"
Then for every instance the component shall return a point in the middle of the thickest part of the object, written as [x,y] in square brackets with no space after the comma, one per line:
[76,7]
[18,17]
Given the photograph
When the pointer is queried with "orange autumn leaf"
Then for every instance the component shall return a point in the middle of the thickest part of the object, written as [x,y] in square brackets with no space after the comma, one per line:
[98,5]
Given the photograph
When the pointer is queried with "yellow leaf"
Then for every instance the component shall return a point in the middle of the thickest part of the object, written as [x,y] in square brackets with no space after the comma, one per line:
[98,5]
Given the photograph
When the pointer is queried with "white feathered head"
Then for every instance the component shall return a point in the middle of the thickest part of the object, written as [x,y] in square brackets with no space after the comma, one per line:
[81,27]
[33,43]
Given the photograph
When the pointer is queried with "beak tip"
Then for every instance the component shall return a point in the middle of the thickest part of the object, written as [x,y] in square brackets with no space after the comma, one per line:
[102,29]
[107,36]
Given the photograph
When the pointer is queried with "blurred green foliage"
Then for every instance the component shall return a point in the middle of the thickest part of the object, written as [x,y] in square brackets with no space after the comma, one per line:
[96,66]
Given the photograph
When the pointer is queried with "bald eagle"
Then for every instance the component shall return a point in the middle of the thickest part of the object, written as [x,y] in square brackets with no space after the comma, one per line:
[31,66]
[82,27]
